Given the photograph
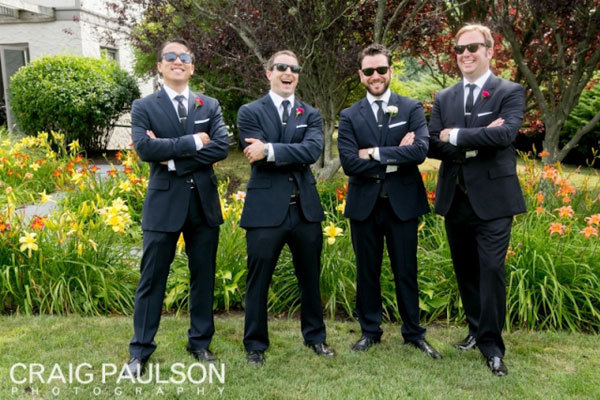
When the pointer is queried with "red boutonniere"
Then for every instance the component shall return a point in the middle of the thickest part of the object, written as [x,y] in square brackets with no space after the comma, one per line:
[199,102]
[299,111]
[485,94]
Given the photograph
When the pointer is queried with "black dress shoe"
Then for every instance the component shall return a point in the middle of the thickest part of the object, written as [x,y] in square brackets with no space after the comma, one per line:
[467,343]
[425,347]
[135,368]
[322,349]
[256,357]
[202,354]
[364,343]
[497,366]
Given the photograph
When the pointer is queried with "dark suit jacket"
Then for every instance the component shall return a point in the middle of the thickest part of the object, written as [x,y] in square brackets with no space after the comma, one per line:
[166,203]
[270,186]
[490,177]
[358,130]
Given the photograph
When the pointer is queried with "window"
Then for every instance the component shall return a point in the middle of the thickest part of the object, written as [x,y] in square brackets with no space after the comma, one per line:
[110,53]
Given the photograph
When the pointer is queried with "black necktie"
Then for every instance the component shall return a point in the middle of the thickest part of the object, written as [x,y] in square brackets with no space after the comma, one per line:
[380,113]
[181,110]
[284,117]
[469,104]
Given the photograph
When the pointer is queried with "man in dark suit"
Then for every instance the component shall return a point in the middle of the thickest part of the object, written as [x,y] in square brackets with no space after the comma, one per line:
[473,126]
[281,137]
[181,134]
[382,138]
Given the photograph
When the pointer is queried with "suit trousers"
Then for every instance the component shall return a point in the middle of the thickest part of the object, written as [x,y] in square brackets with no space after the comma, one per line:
[478,248]
[201,243]
[401,238]
[264,245]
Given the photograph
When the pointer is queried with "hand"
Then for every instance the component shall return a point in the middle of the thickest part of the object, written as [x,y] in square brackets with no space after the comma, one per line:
[364,153]
[203,136]
[151,134]
[445,135]
[255,151]
[408,139]
[164,162]
[495,123]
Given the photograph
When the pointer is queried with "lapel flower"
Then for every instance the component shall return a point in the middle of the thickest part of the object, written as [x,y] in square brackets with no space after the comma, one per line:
[199,102]
[299,111]
[485,94]
[392,110]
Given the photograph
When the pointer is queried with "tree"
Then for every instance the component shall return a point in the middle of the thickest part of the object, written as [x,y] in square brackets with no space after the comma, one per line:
[238,36]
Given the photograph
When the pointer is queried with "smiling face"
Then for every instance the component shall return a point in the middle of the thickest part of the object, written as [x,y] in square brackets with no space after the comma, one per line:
[175,74]
[376,84]
[473,65]
[283,83]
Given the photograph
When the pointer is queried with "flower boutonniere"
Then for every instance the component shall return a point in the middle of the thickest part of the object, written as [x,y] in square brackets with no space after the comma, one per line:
[299,111]
[485,94]
[198,102]
[392,110]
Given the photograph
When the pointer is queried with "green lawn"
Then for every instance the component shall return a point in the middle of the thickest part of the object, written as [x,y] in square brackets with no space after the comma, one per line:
[543,365]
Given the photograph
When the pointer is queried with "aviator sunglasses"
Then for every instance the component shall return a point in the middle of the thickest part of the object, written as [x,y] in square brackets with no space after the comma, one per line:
[283,67]
[184,57]
[472,47]
[371,71]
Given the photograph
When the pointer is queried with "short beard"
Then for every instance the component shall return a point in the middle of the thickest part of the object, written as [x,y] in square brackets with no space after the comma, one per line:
[378,94]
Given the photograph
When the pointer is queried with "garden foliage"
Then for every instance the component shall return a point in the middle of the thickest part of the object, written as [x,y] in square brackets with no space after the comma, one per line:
[79,96]
[84,257]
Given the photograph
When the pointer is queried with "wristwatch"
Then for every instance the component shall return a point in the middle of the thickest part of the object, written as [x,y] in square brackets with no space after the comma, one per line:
[370,152]
[266,149]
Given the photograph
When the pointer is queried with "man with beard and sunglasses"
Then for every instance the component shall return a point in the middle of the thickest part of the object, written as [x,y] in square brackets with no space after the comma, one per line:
[473,127]
[181,135]
[382,139]
[282,137]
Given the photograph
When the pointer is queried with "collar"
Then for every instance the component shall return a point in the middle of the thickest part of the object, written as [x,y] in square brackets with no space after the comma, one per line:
[277,99]
[479,81]
[172,93]
[385,97]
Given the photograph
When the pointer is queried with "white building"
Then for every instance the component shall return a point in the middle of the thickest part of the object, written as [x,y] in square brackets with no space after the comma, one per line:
[30,29]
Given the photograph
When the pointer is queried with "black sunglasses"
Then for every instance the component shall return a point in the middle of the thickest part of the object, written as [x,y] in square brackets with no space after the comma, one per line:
[370,71]
[283,67]
[472,47]
[171,57]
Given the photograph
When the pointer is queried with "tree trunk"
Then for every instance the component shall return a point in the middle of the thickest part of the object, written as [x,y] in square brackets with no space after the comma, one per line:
[327,165]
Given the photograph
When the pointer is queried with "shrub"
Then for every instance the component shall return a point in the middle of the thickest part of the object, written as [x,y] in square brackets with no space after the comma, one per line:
[80,96]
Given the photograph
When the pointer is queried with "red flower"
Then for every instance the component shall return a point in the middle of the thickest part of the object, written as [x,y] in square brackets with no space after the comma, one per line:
[38,223]
[199,102]
[485,94]
[299,111]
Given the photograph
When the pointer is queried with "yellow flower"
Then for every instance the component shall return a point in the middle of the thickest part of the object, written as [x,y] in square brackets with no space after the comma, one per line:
[45,197]
[332,232]
[34,166]
[79,249]
[94,244]
[74,146]
[341,207]
[180,244]
[125,186]
[76,177]
[28,243]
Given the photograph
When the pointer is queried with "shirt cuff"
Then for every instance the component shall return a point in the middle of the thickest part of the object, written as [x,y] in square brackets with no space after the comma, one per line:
[271,155]
[453,136]
[198,141]
[171,165]
[376,155]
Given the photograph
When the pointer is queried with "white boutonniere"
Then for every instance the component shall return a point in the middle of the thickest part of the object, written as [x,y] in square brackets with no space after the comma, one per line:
[392,110]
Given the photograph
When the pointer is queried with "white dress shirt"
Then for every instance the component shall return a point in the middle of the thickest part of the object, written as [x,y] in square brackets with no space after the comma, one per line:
[277,100]
[479,82]
[385,100]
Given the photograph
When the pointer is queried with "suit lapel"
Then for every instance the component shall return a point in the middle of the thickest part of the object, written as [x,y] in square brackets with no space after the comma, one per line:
[367,113]
[488,86]
[167,106]
[273,115]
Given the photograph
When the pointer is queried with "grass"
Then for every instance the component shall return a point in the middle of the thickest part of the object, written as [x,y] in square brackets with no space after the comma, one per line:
[543,365]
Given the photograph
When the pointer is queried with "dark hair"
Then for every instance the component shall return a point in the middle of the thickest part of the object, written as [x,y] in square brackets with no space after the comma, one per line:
[175,40]
[373,50]
[271,61]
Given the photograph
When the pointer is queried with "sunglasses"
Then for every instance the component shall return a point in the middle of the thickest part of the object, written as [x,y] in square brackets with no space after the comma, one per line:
[184,57]
[283,67]
[472,47]
[371,71]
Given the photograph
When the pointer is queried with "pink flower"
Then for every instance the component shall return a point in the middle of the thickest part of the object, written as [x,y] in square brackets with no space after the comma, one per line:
[199,102]
[299,111]
[485,94]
